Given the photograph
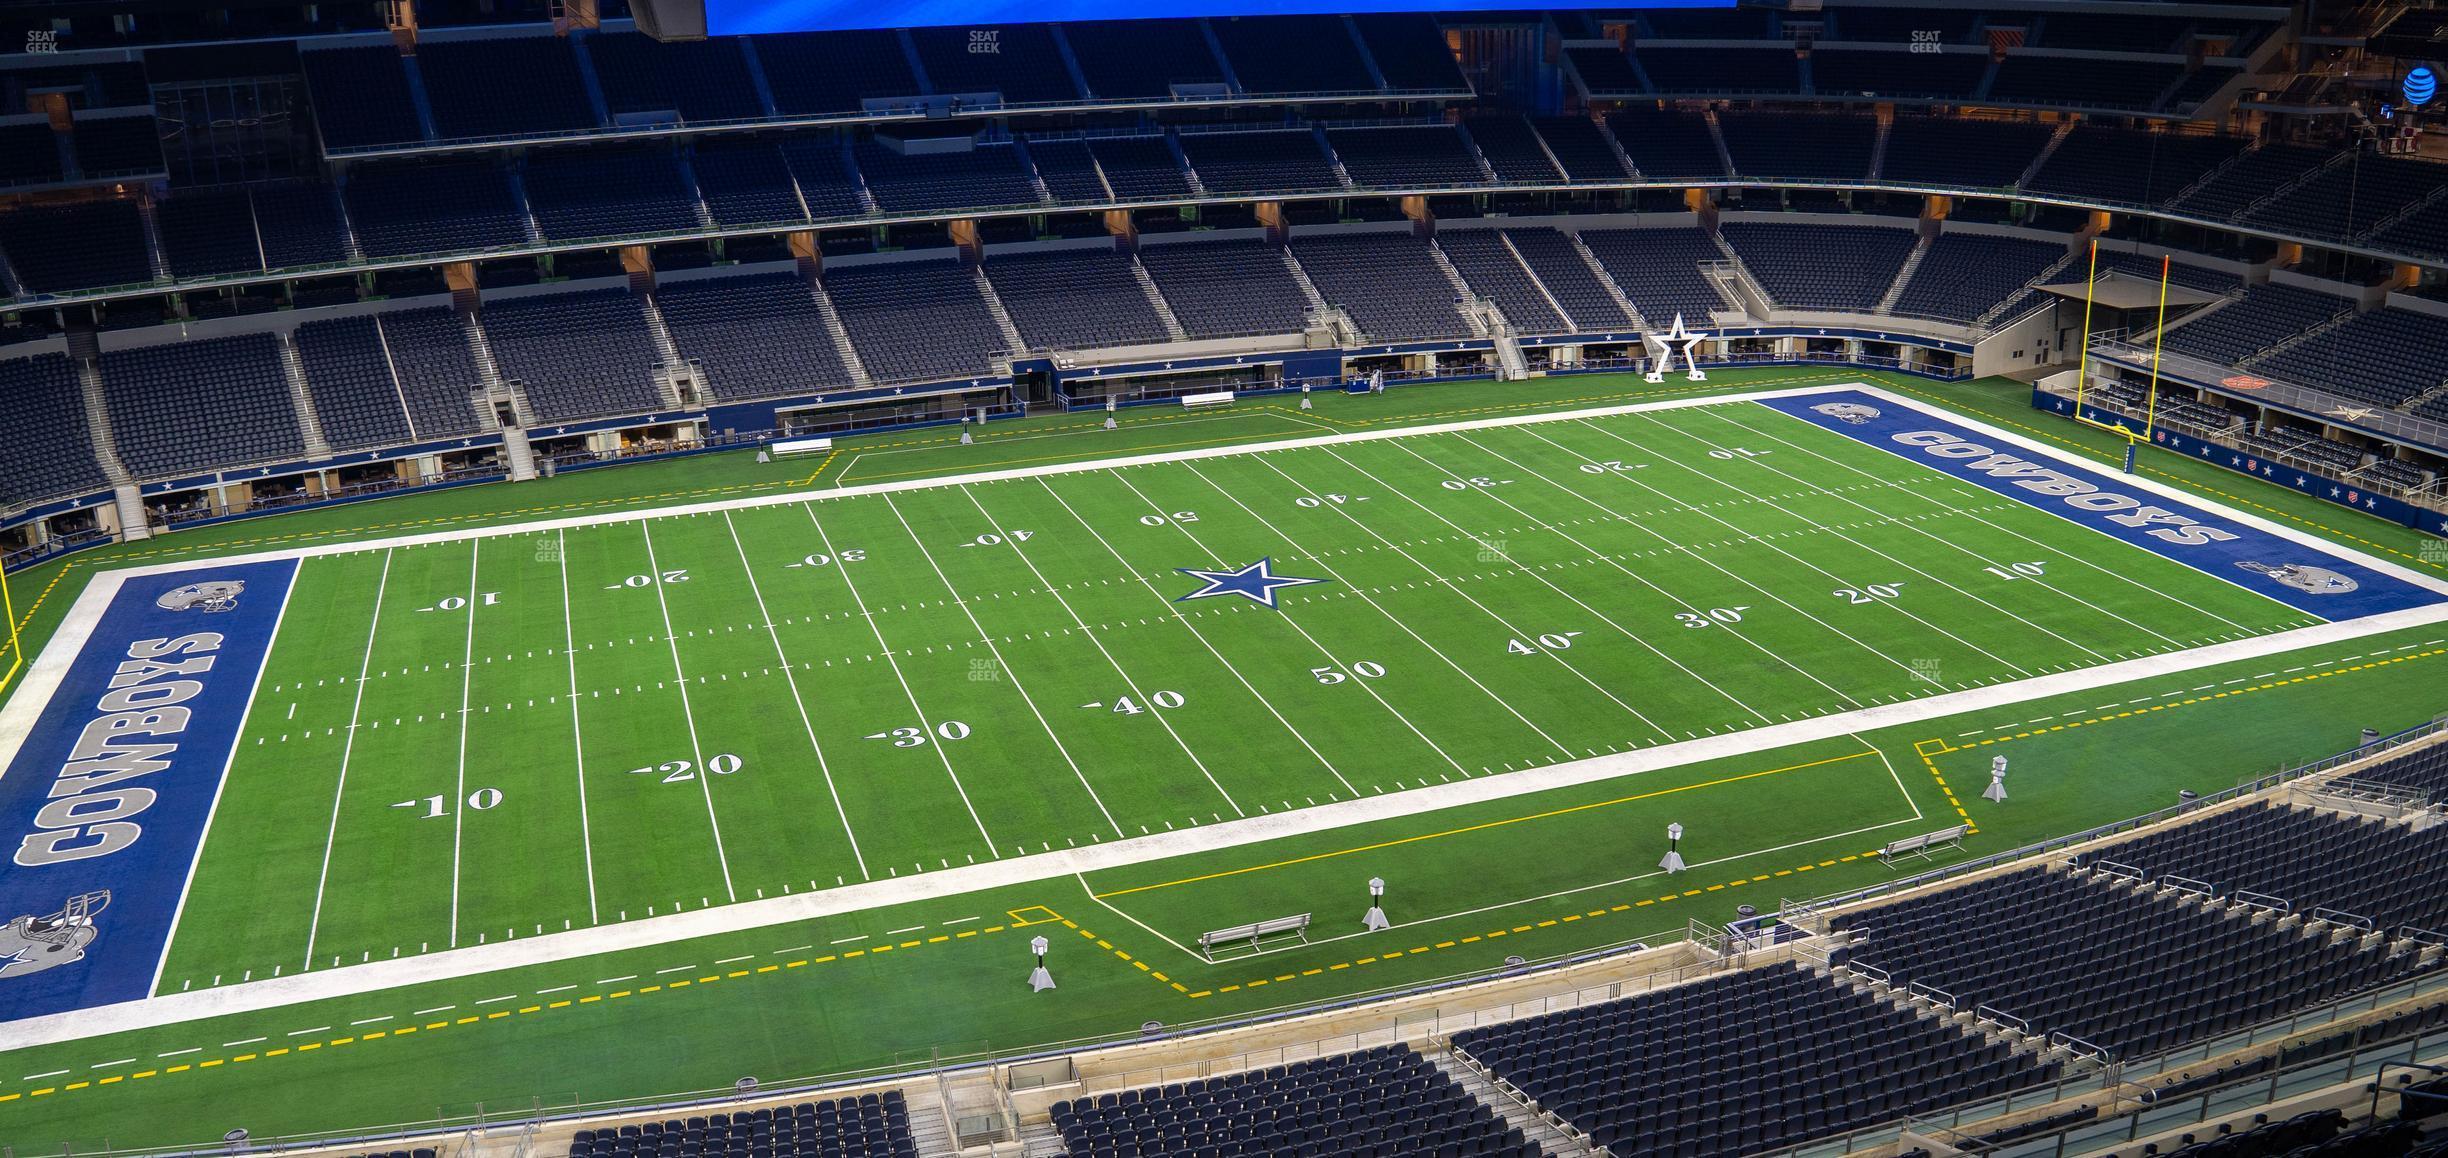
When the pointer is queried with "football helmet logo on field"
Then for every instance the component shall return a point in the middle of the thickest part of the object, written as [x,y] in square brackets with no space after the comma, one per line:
[211,595]
[1853,412]
[2302,577]
[32,944]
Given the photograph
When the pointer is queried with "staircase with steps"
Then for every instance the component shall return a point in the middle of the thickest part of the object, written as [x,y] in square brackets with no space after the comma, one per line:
[518,454]
[1334,160]
[1598,270]
[155,259]
[930,1129]
[669,354]
[135,523]
[2064,129]
[1511,364]
[97,421]
[1028,165]
[688,179]
[1903,277]
[310,426]
[1173,140]
[2416,206]
[1725,156]
[1309,289]
[2053,272]
[2301,179]
[2295,339]
[1462,290]
[1606,132]
[1002,317]
[1487,172]
[348,228]
[2410,405]
[1548,295]
[526,211]
[1878,149]
[841,335]
[1041,1140]
[486,368]
[1734,279]
[492,388]
[1516,1112]
[2215,172]
[1155,297]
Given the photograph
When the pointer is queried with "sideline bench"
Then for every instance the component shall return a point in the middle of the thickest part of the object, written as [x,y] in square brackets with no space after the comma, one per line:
[790,446]
[1922,845]
[1211,398]
[1252,936]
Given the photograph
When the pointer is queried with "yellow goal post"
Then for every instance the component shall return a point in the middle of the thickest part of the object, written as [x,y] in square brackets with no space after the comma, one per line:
[2082,368]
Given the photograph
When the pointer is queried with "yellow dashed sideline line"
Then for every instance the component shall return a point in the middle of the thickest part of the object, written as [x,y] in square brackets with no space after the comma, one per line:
[1018,922]
[1943,747]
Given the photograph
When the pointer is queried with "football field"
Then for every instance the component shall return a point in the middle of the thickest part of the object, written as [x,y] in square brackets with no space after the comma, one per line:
[458,740]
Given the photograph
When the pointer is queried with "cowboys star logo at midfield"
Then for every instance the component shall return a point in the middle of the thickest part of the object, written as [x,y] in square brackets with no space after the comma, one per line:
[32,944]
[211,595]
[2317,580]
[1257,582]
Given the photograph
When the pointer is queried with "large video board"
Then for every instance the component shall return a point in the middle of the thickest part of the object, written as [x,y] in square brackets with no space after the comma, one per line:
[741,17]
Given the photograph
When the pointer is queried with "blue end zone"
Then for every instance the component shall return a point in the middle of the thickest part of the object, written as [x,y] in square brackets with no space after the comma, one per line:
[103,807]
[2307,578]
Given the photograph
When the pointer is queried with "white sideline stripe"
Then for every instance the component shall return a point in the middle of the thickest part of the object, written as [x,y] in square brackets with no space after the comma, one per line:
[705,784]
[771,911]
[43,679]
[348,749]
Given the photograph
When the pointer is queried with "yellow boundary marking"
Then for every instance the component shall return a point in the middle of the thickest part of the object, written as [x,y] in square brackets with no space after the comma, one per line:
[1483,826]
[1927,752]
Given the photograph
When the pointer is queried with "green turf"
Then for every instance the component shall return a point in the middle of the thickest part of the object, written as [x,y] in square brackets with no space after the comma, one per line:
[1431,583]
[870,1012]
[620,721]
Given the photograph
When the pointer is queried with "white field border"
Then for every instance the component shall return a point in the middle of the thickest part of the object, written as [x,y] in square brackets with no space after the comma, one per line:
[43,679]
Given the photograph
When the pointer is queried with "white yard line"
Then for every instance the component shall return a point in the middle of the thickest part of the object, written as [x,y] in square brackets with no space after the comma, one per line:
[705,778]
[1174,609]
[1438,578]
[187,883]
[1052,589]
[1964,490]
[933,741]
[1890,604]
[1294,623]
[1941,540]
[959,879]
[18,716]
[348,746]
[987,638]
[569,651]
[1362,591]
[467,684]
[1202,454]
[1642,578]
[805,721]
[1592,552]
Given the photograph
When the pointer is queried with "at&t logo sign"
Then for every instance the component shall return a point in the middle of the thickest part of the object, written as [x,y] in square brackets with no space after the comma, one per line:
[2420,85]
